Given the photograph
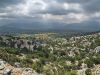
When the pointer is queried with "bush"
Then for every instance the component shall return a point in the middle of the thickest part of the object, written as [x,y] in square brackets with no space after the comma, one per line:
[88,72]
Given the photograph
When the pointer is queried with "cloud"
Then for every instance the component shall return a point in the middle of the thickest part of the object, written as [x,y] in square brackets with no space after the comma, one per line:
[4,3]
[92,6]
[63,11]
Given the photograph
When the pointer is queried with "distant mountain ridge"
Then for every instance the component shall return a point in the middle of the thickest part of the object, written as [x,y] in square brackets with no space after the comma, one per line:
[36,26]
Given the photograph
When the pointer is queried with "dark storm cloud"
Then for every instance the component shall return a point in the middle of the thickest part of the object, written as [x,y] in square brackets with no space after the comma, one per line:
[8,2]
[92,6]
[74,1]
[49,10]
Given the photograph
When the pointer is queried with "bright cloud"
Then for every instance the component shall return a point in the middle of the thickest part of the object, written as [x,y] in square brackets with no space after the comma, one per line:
[72,6]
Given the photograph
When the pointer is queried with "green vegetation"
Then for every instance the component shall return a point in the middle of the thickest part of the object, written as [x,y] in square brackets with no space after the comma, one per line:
[88,72]
[51,54]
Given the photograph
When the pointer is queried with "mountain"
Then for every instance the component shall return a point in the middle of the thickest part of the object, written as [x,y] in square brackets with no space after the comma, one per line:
[50,26]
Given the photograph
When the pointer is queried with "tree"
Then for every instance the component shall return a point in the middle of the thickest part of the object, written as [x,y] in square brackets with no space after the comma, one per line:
[88,72]
[38,66]
[29,43]
[80,64]
[96,60]
[72,72]
[89,63]
[24,50]
[1,38]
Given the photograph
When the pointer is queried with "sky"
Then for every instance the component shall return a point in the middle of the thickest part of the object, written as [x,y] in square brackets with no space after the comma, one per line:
[46,13]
